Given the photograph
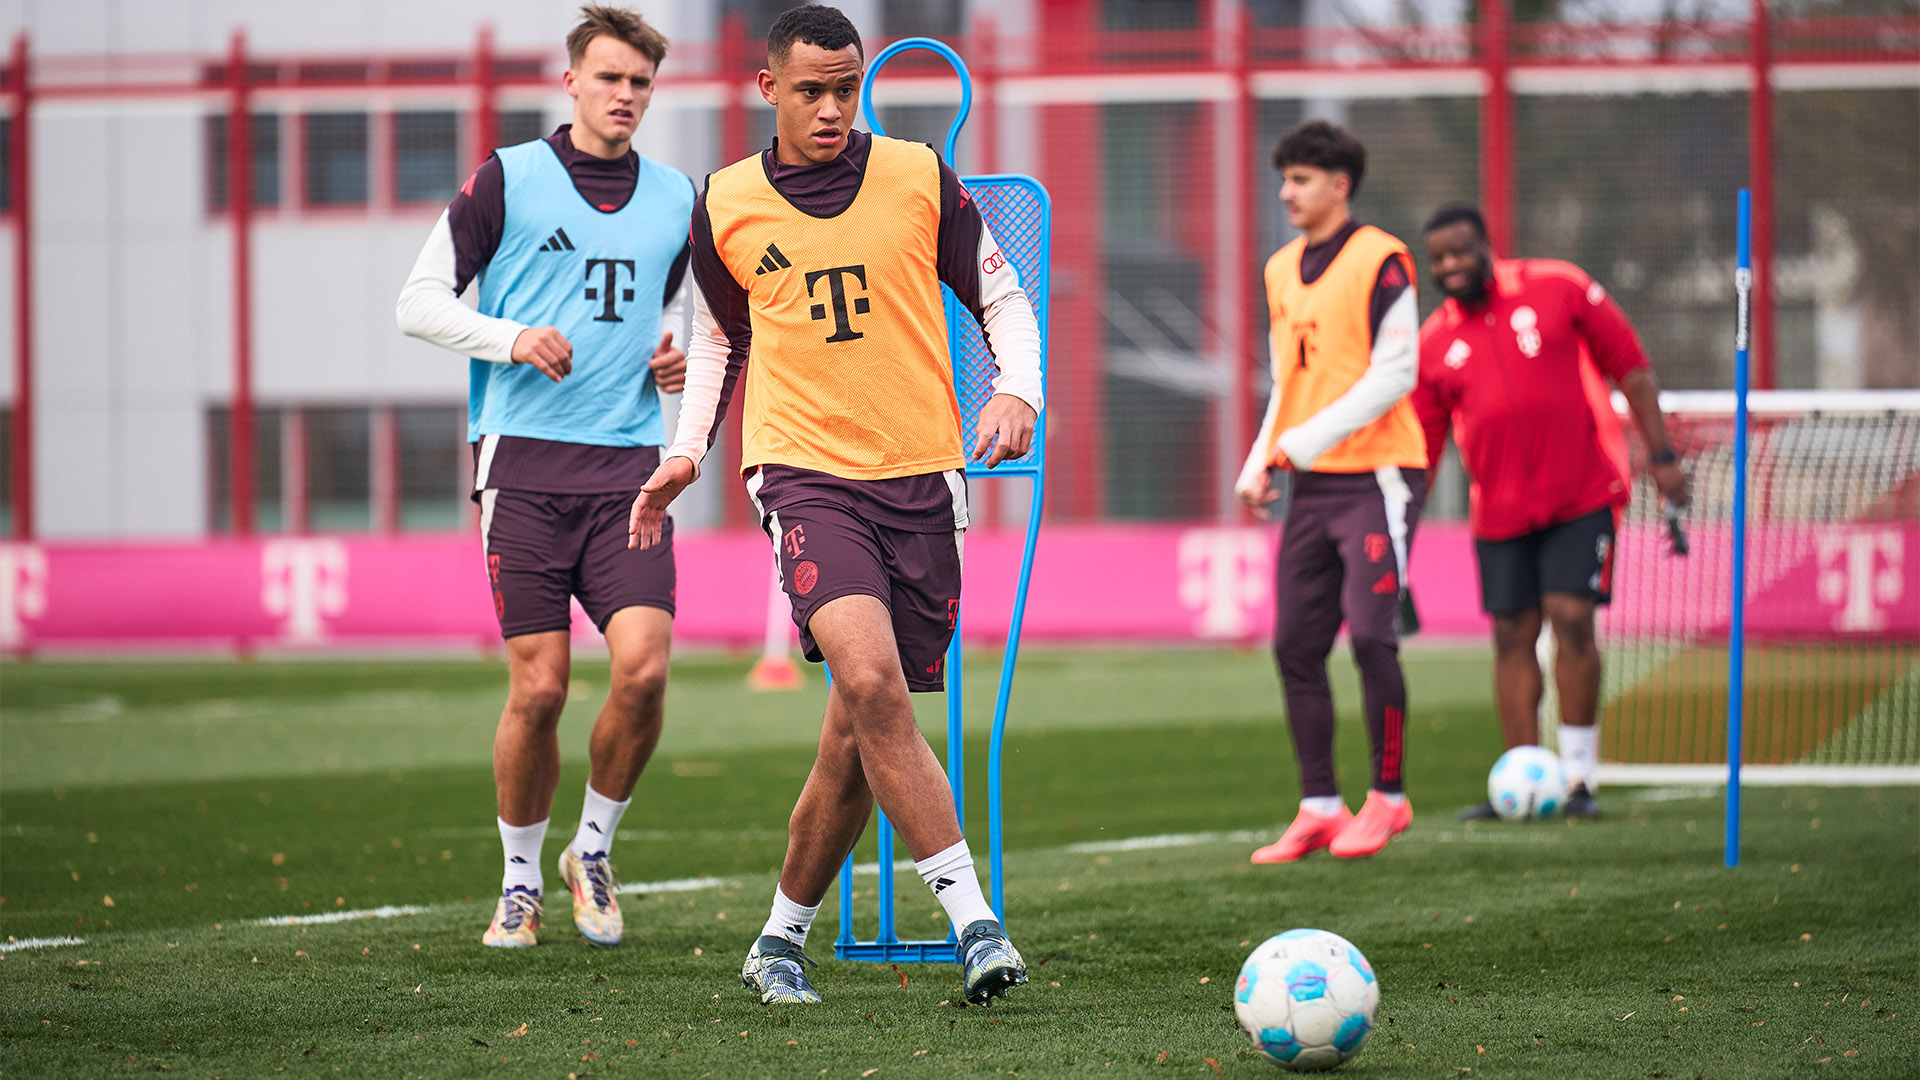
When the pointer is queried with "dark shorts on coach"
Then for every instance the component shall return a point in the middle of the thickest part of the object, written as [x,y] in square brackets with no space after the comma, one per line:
[1574,557]
[543,549]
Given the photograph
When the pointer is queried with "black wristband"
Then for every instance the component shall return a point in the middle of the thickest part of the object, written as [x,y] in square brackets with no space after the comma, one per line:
[1663,457]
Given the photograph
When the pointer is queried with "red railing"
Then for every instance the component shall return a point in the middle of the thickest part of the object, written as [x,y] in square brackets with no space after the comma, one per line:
[1070,46]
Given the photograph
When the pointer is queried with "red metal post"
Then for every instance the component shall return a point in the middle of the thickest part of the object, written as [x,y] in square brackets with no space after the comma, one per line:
[1496,127]
[384,462]
[486,105]
[1760,179]
[1246,197]
[240,216]
[20,184]
[1071,145]
[735,65]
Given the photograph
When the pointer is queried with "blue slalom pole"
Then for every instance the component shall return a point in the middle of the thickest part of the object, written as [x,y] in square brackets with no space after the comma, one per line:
[1737,632]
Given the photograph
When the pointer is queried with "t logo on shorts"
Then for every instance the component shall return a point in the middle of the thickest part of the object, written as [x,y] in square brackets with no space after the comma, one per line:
[796,541]
[953,614]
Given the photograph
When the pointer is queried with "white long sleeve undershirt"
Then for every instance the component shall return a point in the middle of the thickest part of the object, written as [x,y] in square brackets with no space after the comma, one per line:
[430,308]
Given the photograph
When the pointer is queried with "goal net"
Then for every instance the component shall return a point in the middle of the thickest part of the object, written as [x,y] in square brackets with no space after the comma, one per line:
[1832,623]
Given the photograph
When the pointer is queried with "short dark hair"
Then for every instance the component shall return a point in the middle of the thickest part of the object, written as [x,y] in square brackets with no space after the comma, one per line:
[617,23]
[1323,146]
[1454,215]
[812,24]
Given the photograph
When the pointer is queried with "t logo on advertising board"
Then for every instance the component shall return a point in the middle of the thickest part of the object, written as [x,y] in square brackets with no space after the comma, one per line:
[23,591]
[303,583]
[1223,576]
[1861,574]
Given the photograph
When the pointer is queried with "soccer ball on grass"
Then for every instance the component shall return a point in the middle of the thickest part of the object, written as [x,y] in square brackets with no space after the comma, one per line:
[1306,998]
[1527,783]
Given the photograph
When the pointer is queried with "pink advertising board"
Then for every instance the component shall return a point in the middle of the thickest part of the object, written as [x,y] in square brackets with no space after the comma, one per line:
[1161,583]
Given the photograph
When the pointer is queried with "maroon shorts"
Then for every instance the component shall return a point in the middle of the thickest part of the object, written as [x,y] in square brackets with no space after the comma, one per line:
[542,549]
[825,551]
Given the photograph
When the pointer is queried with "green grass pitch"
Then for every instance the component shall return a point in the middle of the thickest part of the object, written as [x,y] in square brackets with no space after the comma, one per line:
[162,810]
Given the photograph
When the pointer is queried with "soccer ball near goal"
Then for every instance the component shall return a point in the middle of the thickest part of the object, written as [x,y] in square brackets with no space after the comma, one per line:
[1527,783]
[1306,998]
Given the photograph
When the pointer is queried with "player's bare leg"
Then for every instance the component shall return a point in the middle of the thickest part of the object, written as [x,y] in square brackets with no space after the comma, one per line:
[1576,677]
[832,811]
[1517,684]
[826,822]
[855,634]
[526,746]
[526,769]
[639,644]
[1517,688]
[639,641]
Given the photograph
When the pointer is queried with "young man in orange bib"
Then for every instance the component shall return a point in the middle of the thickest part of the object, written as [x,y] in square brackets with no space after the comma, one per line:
[1340,431]
[818,266]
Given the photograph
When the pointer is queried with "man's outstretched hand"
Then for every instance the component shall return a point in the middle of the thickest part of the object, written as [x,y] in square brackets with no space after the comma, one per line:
[1005,430]
[650,506]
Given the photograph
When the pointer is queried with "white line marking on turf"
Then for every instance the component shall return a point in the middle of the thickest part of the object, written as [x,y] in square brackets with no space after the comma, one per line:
[40,943]
[1166,840]
[687,884]
[1673,794]
[389,911]
[1254,836]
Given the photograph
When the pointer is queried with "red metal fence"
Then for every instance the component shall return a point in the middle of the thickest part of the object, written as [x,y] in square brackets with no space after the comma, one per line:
[1214,87]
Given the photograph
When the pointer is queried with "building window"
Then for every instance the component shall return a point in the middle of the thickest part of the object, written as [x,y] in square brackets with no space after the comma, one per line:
[335,153]
[339,474]
[431,439]
[521,125]
[268,505]
[265,136]
[426,156]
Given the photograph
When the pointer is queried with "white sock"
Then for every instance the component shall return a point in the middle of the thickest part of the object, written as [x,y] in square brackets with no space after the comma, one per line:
[522,846]
[1579,752]
[599,816]
[1394,798]
[950,875]
[790,919]
[1322,804]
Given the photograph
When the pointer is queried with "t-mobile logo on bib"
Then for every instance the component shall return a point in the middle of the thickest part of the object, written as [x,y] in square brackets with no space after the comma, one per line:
[1224,576]
[837,293]
[1862,573]
[303,583]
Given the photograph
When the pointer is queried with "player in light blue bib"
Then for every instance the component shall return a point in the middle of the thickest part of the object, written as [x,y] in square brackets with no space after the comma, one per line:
[579,246]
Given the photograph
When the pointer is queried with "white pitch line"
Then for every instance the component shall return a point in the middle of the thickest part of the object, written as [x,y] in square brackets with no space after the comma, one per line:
[40,943]
[686,884]
[389,911]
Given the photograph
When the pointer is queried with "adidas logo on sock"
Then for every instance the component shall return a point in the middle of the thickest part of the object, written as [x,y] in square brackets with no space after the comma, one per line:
[557,242]
[796,931]
[594,825]
[518,859]
[771,261]
[940,884]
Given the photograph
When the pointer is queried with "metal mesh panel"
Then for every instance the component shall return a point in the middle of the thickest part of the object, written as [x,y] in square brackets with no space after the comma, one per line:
[1015,210]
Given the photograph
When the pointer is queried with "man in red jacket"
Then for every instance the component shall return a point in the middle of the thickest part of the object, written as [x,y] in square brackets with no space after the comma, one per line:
[1516,361]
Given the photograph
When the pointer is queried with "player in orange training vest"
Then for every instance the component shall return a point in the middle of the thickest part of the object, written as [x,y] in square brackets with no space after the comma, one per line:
[1340,432]
[823,256]
[1513,362]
